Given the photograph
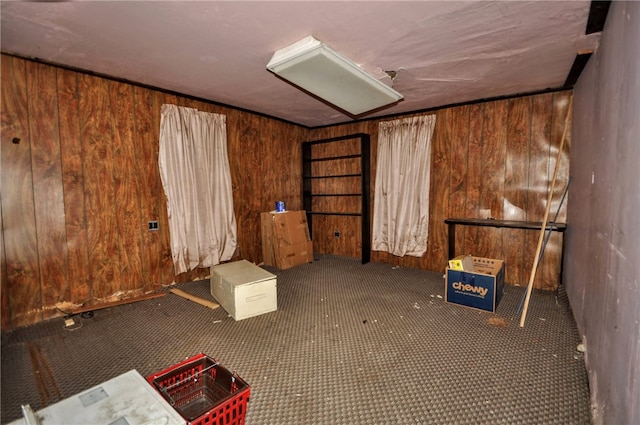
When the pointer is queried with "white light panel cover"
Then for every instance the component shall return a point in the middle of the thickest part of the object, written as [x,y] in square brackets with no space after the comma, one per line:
[316,68]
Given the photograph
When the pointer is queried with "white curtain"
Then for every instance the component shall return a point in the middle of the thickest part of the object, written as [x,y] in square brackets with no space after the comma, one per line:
[401,203]
[194,168]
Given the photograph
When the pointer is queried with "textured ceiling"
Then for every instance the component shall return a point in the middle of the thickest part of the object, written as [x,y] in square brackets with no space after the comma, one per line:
[441,53]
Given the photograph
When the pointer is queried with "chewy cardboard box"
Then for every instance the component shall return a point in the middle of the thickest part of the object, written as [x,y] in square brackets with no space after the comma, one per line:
[481,289]
[285,239]
[244,289]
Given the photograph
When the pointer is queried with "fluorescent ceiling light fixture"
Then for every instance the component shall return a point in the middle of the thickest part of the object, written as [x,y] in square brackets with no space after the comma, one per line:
[316,68]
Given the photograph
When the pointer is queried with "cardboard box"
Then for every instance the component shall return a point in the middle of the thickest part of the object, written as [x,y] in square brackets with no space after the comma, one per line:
[481,289]
[285,239]
[243,289]
[462,262]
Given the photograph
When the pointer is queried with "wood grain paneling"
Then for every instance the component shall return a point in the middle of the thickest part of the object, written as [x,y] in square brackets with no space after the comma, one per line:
[516,184]
[80,187]
[459,148]
[72,162]
[492,155]
[95,117]
[539,155]
[563,99]
[127,188]
[233,135]
[551,269]
[440,183]
[493,173]
[22,287]
[349,242]
[47,190]
[293,148]
[244,157]
[146,107]
[474,175]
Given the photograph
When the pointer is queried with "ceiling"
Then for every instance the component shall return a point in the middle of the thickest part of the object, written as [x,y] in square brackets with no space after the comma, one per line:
[438,52]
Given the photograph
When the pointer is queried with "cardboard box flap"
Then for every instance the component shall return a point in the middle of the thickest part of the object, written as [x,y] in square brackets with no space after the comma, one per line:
[487,266]
[293,255]
[462,262]
[291,227]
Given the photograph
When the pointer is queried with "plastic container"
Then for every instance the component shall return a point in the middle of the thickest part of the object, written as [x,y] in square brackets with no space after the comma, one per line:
[203,392]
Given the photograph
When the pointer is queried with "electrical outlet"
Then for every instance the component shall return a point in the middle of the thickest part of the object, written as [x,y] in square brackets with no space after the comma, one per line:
[153,226]
[336,233]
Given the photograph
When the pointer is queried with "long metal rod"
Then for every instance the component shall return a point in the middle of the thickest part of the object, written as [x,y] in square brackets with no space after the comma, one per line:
[548,234]
[546,216]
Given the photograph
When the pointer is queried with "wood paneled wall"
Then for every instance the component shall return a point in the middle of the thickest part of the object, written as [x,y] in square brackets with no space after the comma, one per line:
[79,188]
[497,155]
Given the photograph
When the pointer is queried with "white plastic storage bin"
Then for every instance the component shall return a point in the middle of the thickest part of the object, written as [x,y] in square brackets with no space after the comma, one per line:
[243,289]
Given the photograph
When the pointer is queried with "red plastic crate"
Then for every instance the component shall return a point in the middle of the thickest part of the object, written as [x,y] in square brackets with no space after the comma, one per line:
[203,392]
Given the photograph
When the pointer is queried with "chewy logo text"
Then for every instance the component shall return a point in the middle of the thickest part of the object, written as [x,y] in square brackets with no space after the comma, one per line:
[469,288]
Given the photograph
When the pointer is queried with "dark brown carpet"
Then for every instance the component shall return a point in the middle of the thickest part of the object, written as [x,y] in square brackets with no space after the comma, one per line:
[349,344]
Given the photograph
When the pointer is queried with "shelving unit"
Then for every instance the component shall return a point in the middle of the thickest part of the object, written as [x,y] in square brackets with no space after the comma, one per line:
[317,173]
